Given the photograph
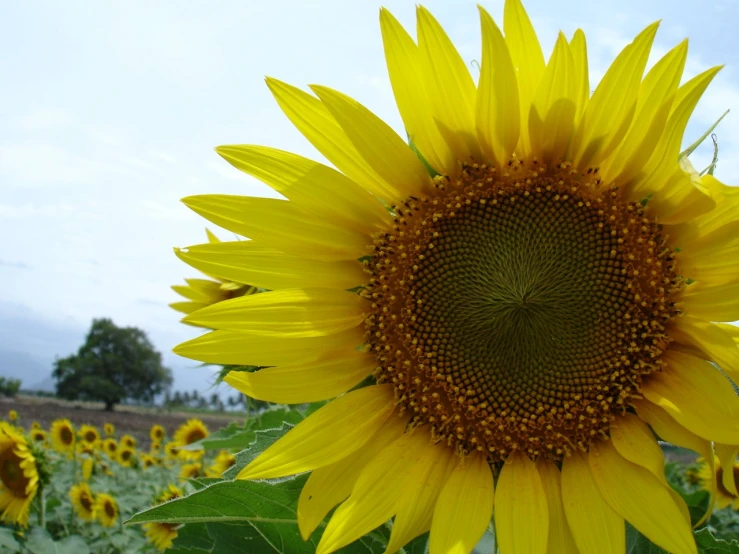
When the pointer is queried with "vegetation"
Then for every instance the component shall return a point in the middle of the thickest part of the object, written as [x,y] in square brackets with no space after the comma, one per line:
[9,386]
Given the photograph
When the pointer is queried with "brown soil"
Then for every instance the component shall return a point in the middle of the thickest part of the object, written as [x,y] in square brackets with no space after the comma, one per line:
[133,420]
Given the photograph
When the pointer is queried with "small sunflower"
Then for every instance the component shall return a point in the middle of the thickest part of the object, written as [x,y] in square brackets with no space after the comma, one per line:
[147,461]
[88,466]
[205,292]
[12,416]
[155,448]
[19,476]
[156,434]
[532,281]
[110,447]
[190,432]
[35,425]
[191,471]
[62,436]
[89,435]
[223,461]
[724,484]
[127,441]
[39,435]
[126,456]
[171,451]
[161,535]
[106,509]
[83,501]
[109,429]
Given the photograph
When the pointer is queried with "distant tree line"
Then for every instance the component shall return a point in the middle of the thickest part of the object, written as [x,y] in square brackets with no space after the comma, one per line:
[186,399]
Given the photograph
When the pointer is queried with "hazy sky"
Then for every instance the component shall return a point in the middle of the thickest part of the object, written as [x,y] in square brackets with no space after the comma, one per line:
[110,112]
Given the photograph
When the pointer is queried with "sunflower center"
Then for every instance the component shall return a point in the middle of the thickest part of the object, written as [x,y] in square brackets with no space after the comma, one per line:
[519,311]
[720,481]
[86,502]
[91,436]
[66,435]
[126,455]
[12,475]
[109,509]
[194,436]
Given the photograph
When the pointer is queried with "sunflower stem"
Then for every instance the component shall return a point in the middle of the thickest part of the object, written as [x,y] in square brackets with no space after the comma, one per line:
[42,506]
[689,150]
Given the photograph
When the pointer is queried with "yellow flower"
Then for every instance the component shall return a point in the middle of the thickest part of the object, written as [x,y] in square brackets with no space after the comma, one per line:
[83,501]
[126,456]
[38,435]
[127,441]
[62,436]
[147,461]
[533,283]
[109,429]
[191,471]
[35,425]
[106,509]
[204,292]
[89,435]
[724,484]
[88,465]
[155,448]
[18,476]
[223,461]
[110,447]
[161,535]
[190,432]
[171,450]
[156,433]
[13,416]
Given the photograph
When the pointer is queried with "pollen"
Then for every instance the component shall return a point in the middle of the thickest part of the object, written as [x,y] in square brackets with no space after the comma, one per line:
[519,310]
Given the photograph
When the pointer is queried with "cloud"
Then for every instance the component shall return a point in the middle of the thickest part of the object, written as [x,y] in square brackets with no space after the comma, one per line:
[17,265]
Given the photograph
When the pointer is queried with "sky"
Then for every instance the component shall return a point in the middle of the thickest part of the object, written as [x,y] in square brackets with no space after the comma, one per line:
[110,112]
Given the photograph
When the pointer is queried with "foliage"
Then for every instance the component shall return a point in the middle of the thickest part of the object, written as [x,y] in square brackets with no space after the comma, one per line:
[9,386]
[114,364]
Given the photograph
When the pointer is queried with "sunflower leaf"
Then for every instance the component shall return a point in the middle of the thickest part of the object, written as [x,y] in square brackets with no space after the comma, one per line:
[708,544]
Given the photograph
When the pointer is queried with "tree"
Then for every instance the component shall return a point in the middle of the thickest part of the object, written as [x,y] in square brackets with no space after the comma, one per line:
[114,364]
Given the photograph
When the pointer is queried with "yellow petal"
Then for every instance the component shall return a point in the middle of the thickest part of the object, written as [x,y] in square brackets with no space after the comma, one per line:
[374,498]
[281,225]
[450,87]
[579,49]
[560,539]
[633,440]
[727,457]
[313,119]
[327,435]
[528,59]
[609,112]
[641,499]
[464,508]
[248,261]
[712,302]
[331,484]
[497,112]
[682,197]
[289,313]
[420,494]
[595,526]
[405,68]
[187,307]
[377,143]
[697,396]
[235,348]
[712,340]
[711,257]
[192,293]
[520,496]
[726,210]
[656,95]
[310,185]
[211,237]
[305,382]
[552,116]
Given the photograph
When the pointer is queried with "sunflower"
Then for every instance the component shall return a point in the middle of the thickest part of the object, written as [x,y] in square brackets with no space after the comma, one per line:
[190,432]
[39,435]
[725,483]
[106,509]
[35,425]
[532,281]
[88,466]
[156,434]
[109,429]
[191,471]
[205,292]
[89,435]
[155,448]
[12,416]
[126,456]
[19,476]
[147,461]
[171,450]
[161,535]
[127,441]
[110,447]
[83,501]
[223,461]
[62,436]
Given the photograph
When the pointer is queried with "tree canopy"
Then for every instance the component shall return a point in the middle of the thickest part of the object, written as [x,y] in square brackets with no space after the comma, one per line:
[114,364]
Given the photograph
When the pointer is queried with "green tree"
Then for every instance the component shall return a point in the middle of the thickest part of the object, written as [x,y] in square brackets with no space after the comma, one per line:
[114,364]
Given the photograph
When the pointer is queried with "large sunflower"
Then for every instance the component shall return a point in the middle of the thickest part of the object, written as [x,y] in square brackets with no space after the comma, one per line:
[63,436]
[532,282]
[19,476]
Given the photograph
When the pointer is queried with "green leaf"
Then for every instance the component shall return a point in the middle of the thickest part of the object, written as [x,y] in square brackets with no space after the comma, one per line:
[231,437]
[193,537]
[689,150]
[39,542]
[262,440]
[708,544]
[419,545]
[636,543]
[7,541]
